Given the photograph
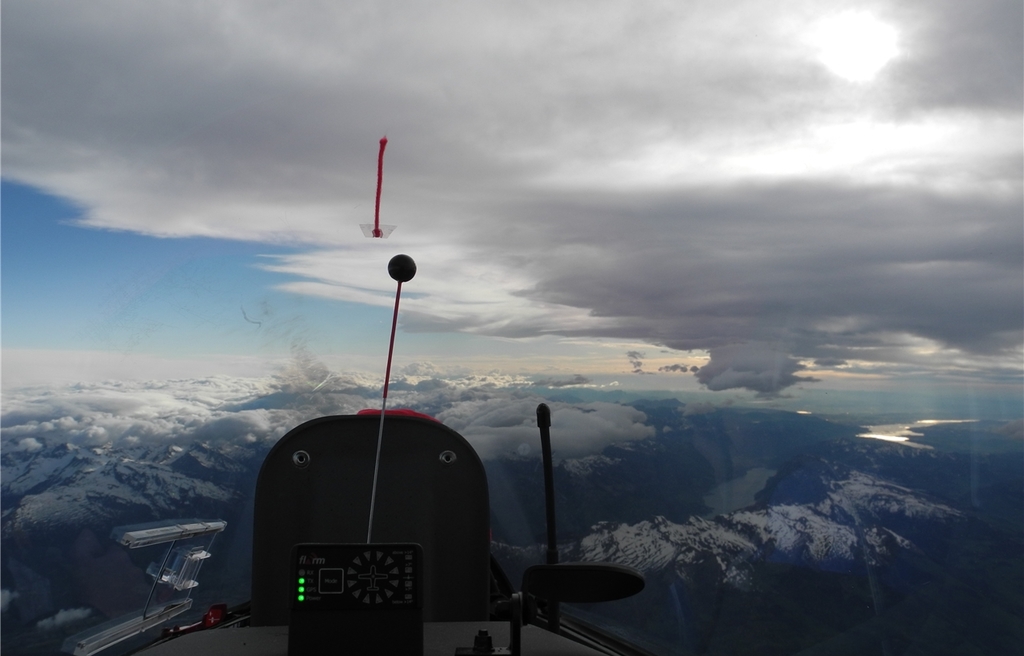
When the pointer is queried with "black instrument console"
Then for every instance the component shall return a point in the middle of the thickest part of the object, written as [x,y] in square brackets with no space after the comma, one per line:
[365,598]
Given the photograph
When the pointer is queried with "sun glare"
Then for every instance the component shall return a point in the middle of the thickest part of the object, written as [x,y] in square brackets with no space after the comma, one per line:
[854,45]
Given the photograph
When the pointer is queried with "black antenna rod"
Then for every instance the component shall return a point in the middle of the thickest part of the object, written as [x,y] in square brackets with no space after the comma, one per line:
[544,423]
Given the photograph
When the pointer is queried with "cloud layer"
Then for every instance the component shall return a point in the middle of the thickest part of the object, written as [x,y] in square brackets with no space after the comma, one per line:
[66,616]
[593,170]
[497,414]
[6,597]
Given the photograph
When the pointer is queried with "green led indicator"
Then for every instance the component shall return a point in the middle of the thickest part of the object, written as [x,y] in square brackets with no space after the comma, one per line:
[302,581]
[302,588]
[302,597]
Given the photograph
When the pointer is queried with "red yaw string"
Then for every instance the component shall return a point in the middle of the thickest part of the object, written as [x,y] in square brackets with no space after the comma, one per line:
[380,181]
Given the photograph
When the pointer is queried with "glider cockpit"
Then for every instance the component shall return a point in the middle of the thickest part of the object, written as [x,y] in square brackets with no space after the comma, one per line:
[414,575]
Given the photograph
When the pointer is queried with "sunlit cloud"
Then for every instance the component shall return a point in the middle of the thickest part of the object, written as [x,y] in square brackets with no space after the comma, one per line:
[854,44]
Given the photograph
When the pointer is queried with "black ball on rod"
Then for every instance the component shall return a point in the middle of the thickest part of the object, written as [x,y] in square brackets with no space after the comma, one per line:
[402,268]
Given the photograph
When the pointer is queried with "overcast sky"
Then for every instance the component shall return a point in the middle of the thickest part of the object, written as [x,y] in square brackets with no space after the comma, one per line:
[813,193]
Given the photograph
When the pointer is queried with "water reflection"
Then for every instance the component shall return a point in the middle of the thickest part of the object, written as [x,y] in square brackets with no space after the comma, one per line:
[887,438]
[903,433]
[737,493]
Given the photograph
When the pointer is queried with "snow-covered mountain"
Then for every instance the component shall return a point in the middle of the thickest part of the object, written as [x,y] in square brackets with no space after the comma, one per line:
[816,514]
[850,525]
[60,486]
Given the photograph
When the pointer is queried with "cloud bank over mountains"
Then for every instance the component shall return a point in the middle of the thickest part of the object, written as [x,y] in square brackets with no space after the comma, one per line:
[497,416]
[655,174]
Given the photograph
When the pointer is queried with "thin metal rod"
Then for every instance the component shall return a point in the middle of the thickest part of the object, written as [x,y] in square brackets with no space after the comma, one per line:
[391,345]
[376,468]
[383,411]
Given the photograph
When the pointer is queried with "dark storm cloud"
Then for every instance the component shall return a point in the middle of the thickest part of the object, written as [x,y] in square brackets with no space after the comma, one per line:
[968,55]
[254,109]
[647,173]
[755,367]
[636,361]
[833,272]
